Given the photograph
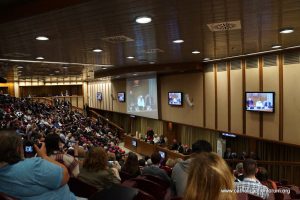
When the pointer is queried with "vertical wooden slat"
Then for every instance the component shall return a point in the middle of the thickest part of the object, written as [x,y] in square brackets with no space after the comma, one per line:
[261,88]
[229,95]
[243,93]
[216,96]
[280,64]
[204,102]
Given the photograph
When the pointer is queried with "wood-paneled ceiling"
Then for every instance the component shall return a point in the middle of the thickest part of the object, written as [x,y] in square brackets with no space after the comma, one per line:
[76,27]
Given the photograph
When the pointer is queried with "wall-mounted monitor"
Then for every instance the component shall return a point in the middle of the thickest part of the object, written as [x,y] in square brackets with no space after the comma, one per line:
[134,143]
[175,98]
[260,101]
[229,135]
[121,96]
[99,96]
[162,154]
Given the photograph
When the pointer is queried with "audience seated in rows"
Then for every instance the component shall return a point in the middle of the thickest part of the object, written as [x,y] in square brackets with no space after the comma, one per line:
[131,166]
[31,179]
[208,176]
[95,170]
[262,176]
[181,169]
[54,146]
[154,169]
[250,184]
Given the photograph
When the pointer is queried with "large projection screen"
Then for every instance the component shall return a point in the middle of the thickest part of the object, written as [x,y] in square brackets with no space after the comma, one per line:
[141,96]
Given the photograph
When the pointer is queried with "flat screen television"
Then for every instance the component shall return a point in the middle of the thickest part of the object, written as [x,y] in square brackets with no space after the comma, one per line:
[260,101]
[134,143]
[121,96]
[175,98]
[99,96]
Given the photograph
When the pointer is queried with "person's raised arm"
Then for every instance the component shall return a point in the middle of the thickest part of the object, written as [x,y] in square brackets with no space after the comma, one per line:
[41,152]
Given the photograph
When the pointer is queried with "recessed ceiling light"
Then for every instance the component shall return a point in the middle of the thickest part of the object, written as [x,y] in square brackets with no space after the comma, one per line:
[56,71]
[118,76]
[97,50]
[276,46]
[178,41]
[20,67]
[286,30]
[134,74]
[39,58]
[206,59]
[104,68]
[65,67]
[130,57]
[42,38]
[143,20]
[195,52]
[152,62]
[51,74]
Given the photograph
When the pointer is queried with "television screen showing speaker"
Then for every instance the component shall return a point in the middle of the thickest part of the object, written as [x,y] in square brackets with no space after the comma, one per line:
[175,98]
[99,96]
[134,143]
[260,101]
[121,96]
[162,154]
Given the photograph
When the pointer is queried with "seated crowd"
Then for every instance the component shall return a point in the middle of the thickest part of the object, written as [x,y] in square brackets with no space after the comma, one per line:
[70,146]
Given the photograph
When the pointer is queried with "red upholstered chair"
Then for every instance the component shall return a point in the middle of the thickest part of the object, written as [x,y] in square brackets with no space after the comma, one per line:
[125,176]
[147,186]
[252,197]
[80,188]
[4,196]
[242,196]
[144,196]
[157,180]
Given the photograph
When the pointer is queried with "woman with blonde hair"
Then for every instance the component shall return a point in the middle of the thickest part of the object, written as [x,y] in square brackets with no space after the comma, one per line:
[95,170]
[209,179]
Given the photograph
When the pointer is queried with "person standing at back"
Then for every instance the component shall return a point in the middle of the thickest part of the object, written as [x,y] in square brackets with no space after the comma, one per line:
[181,169]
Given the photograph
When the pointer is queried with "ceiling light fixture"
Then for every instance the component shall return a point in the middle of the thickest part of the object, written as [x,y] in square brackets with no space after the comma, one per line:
[51,74]
[39,58]
[178,41]
[56,71]
[104,68]
[276,46]
[97,50]
[195,52]
[206,59]
[134,74]
[42,38]
[143,20]
[20,67]
[130,57]
[152,62]
[286,30]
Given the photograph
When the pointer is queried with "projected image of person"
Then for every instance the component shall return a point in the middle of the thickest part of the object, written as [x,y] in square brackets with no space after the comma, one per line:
[149,102]
[141,102]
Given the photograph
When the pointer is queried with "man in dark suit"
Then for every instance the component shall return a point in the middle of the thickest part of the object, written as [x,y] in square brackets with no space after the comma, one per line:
[228,153]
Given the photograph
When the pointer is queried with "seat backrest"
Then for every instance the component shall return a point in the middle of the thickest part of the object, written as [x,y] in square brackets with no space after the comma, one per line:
[157,180]
[150,187]
[4,196]
[125,176]
[116,192]
[80,188]
[144,196]
[253,197]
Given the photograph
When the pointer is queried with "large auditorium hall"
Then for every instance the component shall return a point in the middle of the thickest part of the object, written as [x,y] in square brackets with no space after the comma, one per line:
[149,99]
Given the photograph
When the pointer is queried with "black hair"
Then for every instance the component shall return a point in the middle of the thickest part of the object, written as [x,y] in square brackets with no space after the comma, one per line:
[201,146]
[155,158]
[52,143]
[250,167]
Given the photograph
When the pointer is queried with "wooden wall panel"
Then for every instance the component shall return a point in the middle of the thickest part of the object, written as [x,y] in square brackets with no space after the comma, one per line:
[105,89]
[191,84]
[291,103]
[271,120]
[252,118]
[222,101]
[236,101]
[209,100]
